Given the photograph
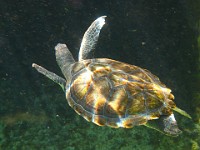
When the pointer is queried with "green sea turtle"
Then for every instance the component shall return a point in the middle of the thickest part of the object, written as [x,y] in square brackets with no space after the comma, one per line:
[113,93]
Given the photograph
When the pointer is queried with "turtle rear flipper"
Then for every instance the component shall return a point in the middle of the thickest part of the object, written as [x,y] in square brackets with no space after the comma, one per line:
[64,59]
[166,125]
[54,77]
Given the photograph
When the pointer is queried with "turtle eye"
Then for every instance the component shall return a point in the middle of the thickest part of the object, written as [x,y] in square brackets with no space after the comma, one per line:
[171,104]
[171,96]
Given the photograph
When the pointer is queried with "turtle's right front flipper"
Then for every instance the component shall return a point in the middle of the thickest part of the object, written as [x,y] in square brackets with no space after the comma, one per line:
[50,75]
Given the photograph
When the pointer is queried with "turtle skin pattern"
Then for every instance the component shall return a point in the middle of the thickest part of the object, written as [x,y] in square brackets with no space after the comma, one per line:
[116,94]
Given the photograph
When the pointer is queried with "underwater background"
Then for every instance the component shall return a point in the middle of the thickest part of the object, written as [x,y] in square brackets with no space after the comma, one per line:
[162,36]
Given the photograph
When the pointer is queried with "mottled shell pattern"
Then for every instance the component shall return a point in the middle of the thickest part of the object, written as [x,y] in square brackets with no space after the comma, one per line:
[116,94]
[112,93]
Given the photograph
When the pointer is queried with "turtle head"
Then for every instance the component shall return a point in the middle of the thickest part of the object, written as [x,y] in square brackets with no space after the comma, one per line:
[166,125]
[64,59]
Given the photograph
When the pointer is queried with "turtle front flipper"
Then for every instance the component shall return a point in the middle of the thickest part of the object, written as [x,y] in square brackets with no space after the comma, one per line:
[166,125]
[50,75]
[90,37]
[182,112]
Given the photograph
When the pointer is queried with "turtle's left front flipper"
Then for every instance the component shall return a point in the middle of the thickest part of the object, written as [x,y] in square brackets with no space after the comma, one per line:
[50,75]
[90,38]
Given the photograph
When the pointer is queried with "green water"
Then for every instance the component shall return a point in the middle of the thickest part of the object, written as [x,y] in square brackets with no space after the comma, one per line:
[161,36]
